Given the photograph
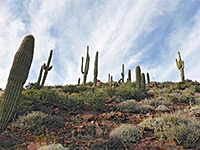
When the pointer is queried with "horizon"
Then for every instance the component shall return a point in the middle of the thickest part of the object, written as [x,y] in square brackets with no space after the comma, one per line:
[141,33]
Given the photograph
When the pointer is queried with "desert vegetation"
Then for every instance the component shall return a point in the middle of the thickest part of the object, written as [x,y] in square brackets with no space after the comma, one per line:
[123,114]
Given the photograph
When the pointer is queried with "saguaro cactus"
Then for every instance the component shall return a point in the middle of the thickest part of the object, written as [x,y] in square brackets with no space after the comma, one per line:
[85,72]
[180,66]
[122,73]
[47,67]
[108,78]
[40,75]
[138,77]
[79,79]
[96,69]
[143,82]
[148,78]
[129,76]
[17,77]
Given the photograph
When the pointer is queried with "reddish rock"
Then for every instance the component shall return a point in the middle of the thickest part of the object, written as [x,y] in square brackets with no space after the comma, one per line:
[33,146]
[88,117]
[99,82]
[56,111]
[197,94]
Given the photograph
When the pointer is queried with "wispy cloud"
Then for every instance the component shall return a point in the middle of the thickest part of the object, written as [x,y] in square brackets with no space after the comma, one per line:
[145,33]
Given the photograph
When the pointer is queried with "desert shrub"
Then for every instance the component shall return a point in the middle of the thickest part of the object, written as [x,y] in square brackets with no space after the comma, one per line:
[195,110]
[128,91]
[155,102]
[186,98]
[32,97]
[128,133]
[113,143]
[37,122]
[187,135]
[53,147]
[90,100]
[74,88]
[162,108]
[183,130]
[128,106]
[110,92]
[145,108]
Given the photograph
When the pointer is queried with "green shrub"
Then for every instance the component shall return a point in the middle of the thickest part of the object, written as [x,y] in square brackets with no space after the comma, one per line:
[187,135]
[195,110]
[74,88]
[53,147]
[113,143]
[162,108]
[128,106]
[155,102]
[128,133]
[145,109]
[37,122]
[128,91]
[183,130]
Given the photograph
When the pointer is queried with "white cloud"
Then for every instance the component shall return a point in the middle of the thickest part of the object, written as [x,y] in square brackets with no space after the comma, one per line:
[114,28]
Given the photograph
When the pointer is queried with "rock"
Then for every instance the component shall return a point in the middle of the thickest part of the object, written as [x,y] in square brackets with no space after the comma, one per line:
[56,111]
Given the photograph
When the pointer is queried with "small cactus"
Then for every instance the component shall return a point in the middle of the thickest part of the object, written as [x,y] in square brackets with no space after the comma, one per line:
[180,66]
[47,67]
[109,79]
[122,73]
[129,76]
[96,69]
[85,72]
[148,78]
[17,78]
[138,77]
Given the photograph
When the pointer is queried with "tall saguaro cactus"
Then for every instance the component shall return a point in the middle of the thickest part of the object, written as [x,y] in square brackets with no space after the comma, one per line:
[47,67]
[148,78]
[122,73]
[180,66]
[85,72]
[143,82]
[17,78]
[96,69]
[138,77]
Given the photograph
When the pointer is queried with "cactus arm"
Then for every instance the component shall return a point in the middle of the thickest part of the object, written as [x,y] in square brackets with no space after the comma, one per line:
[17,77]
[47,67]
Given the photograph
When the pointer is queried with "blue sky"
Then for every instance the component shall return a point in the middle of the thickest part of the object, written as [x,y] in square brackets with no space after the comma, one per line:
[148,33]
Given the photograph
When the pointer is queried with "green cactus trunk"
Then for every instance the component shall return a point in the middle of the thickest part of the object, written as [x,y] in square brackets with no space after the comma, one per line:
[40,75]
[109,79]
[47,67]
[143,82]
[96,69]
[138,77]
[122,73]
[148,78]
[79,80]
[17,78]
[180,66]
[129,76]
[85,72]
